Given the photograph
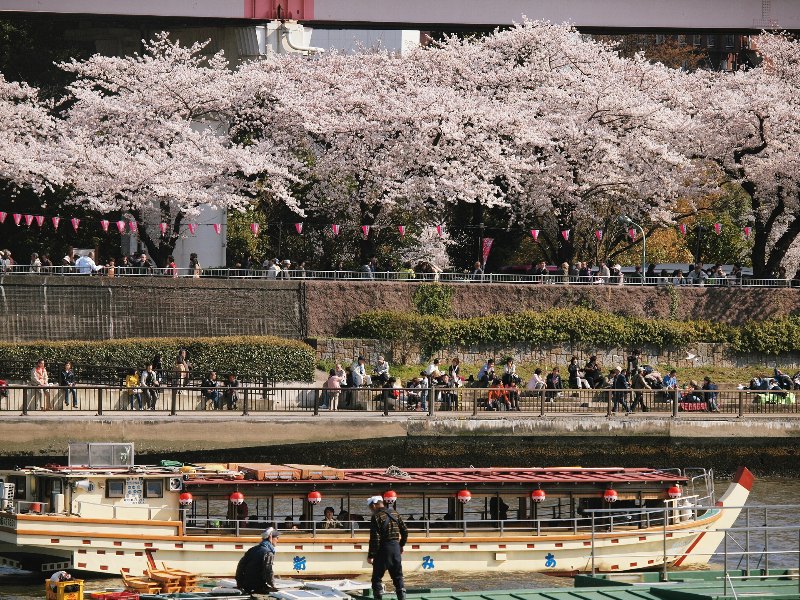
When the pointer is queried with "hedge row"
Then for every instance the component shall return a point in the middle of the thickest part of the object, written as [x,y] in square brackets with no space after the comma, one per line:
[574,325]
[253,356]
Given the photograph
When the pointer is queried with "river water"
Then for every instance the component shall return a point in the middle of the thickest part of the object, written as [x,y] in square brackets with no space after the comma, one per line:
[785,542]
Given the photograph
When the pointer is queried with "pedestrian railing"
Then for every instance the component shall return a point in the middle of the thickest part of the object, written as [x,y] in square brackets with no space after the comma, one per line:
[405,276]
[253,398]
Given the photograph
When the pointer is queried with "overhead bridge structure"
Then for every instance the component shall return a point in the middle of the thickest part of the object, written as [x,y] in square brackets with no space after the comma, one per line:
[616,15]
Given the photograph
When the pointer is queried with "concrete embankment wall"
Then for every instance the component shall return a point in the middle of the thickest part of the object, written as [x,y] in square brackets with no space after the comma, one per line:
[767,445]
[81,307]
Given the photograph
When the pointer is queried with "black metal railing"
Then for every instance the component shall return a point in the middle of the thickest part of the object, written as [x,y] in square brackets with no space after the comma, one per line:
[465,401]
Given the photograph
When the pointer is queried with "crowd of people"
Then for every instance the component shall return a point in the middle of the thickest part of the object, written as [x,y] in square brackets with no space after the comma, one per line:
[504,386]
[142,388]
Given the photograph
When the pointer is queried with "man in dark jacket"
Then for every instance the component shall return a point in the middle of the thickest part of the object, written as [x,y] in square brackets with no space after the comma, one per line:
[254,573]
[387,536]
[620,387]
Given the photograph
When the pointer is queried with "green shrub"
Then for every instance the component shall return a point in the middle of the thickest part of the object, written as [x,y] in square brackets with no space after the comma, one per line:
[433,299]
[573,325]
[280,359]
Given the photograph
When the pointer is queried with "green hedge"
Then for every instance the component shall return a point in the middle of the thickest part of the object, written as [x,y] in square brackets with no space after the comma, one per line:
[574,325]
[253,356]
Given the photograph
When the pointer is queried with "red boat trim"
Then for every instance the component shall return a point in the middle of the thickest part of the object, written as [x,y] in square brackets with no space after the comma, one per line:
[689,549]
[744,478]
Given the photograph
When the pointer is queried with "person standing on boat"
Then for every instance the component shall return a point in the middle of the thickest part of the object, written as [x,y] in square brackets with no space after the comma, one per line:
[254,573]
[387,536]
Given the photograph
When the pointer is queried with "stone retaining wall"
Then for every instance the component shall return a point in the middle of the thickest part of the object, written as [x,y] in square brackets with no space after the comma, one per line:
[716,355]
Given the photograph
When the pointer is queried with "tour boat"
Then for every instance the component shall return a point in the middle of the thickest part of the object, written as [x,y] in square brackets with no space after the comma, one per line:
[102,513]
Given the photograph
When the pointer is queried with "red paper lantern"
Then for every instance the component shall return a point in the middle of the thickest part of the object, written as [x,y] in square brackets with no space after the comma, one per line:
[610,495]
[674,492]
[236,498]
[538,496]
[185,499]
[464,496]
[390,496]
[314,497]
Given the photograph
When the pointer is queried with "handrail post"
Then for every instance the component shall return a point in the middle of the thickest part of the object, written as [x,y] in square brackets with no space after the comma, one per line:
[25,401]
[741,404]
[593,571]
[432,407]
[664,546]
[174,406]
[316,402]
[245,401]
[609,403]
[541,402]
[475,401]
[385,394]
[675,398]
[99,401]
[725,562]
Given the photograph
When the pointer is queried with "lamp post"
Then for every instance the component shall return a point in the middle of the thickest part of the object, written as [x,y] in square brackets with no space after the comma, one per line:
[628,222]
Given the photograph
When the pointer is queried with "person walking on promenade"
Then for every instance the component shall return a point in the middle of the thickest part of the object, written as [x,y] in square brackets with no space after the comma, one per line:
[387,536]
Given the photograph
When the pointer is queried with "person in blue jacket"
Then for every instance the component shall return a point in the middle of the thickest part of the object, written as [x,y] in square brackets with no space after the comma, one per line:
[254,573]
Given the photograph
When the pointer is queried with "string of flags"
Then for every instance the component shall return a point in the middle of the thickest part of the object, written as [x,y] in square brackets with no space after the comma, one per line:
[132,227]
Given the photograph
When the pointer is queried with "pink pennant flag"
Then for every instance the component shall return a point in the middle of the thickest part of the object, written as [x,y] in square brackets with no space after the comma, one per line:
[599,234]
[439,230]
[535,234]
[565,234]
[28,220]
[193,227]
[254,227]
[217,228]
[75,223]
[104,225]
[365,231]
[747,231]
[718,228]
[682,229]
[163,228]
[487,247]
[335,229]
[298,227]
[56,221]
[402,230]
[17,219]
[133,226]
[40,220]
[632,233]
[121,226]
[3,216]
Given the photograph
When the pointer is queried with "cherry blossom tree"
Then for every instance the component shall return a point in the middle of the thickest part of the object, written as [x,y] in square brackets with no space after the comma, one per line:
[149,135]
[749,126]
[25,138]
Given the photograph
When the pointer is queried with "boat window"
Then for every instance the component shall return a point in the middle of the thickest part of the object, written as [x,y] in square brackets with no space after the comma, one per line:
[154,488]
[115,488]
[20,489]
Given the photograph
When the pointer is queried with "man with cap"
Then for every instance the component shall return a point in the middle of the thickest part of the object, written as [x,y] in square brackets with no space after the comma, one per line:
[387,536]
[254,573]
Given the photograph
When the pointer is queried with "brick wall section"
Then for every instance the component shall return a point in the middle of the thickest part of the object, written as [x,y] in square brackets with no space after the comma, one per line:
[332,304]
[717,355]
[94,308]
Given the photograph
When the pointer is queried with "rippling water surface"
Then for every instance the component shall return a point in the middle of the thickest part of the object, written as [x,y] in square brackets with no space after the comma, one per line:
[784,541]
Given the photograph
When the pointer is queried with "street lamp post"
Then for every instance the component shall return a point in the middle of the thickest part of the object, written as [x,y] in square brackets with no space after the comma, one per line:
[627,221]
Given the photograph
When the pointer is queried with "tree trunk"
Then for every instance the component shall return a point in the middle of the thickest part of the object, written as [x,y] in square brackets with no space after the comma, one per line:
[366,244]
[159,247]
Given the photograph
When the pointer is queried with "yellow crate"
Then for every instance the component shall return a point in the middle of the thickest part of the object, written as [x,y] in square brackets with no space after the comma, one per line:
[65,590]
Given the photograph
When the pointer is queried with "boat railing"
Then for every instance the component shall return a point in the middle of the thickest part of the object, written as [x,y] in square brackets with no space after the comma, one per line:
[31,507]
[633,519]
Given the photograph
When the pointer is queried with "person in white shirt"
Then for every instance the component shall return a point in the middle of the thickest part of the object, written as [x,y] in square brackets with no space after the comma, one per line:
[359,373]
[536,382]
[382,370]
[85,264]
[433,369]
[274,270]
